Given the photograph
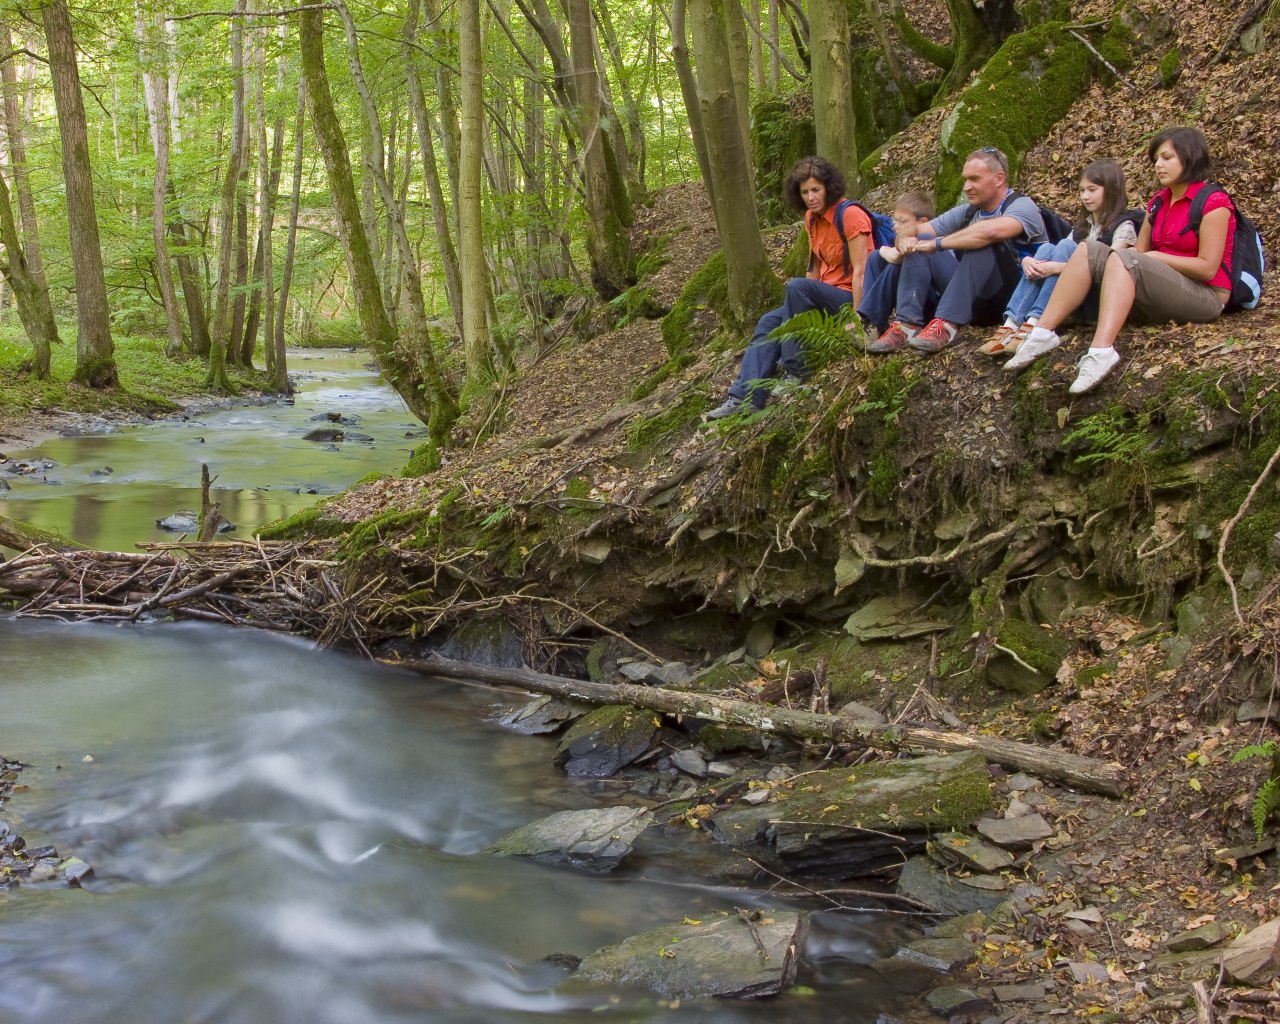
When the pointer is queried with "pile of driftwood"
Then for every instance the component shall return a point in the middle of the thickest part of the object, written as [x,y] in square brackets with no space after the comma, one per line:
[286,586]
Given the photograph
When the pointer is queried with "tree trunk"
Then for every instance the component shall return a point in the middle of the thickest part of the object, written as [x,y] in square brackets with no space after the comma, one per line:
[833,86]
[269,181]
[430,172]
[735,33]
[608,243]
[280,378]
[95,352]
[775,50]
[444,408]
[398,368]
[751,282]
[218,342]
[239,347]
[476,341]
[1072,769]
[155,90]
[42,330]
[689,90]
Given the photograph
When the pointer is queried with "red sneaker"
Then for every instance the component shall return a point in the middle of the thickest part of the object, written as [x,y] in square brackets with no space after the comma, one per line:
[933,337]
[894,339]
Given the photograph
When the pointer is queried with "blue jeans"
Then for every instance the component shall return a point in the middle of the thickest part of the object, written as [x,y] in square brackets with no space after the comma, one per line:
[885,288]
[765,356]
[1030,297]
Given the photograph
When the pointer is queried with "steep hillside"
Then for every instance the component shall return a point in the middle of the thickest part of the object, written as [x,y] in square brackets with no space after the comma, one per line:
[935,538]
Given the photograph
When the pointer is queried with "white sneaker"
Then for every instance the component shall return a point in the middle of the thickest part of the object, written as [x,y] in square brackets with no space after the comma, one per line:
[726,408]
[1092,368]
[1033,346]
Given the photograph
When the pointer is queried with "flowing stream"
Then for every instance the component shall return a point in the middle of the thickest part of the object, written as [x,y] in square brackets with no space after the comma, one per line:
[283,834]
[108,490]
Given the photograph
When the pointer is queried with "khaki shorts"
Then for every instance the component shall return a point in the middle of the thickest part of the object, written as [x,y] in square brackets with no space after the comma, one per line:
[1161,294]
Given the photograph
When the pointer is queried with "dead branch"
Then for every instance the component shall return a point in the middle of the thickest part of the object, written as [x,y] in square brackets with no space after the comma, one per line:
[1237,30]
[1231,525]
[1045,762]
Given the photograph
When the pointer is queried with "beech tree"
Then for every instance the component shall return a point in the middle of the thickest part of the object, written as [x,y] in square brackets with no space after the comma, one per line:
[95,362]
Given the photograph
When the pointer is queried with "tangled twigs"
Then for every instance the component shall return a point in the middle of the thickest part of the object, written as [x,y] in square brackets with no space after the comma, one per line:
[1231,525]
[279,586]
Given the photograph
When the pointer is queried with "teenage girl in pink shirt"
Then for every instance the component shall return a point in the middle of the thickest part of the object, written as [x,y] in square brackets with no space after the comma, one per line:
[1173,274]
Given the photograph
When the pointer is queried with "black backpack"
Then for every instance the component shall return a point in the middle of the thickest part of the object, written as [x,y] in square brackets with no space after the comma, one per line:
[1134,217]
[1056,228]
[1248,261]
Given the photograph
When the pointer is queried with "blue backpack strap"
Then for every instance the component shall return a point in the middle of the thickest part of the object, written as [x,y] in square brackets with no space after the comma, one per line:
[842,208]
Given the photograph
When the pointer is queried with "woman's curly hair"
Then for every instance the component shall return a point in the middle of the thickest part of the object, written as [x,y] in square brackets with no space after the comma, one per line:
[813,167]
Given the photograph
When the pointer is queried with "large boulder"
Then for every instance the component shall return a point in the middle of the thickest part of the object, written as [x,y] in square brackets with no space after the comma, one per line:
[847,822]
[746,955]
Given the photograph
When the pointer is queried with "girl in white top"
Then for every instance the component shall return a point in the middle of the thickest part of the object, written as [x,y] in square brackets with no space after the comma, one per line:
[1102,217]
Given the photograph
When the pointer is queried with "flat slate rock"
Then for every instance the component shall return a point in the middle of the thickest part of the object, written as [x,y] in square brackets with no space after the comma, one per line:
[594,840]
[1016,832]
[939,954]
[720,956]
[921,879]
[1254,957]
[954,1001]
[956,848]
[1205,936]
[543,715]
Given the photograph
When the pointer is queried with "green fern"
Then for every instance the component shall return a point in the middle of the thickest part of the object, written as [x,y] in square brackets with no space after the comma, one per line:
[1267,800]
[1110,437]
[821,334]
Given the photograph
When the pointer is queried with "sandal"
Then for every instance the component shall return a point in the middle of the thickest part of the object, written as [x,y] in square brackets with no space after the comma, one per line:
[999,345]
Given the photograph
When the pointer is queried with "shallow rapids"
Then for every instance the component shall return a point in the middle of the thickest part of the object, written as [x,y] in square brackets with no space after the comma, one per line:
[280,834]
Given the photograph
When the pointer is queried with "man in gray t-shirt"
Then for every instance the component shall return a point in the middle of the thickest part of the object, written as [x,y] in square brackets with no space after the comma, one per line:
[990,233]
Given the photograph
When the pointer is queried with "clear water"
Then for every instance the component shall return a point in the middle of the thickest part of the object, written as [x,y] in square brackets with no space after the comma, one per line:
[281,834]
[264,470]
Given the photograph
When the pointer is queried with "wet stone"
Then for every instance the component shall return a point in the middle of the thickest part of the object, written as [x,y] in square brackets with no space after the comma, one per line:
[690,762]
[543,715]
[719,956]
[952,1001]
[923,880]
[606,740]
[594,840]
[1020,993]
[720,770]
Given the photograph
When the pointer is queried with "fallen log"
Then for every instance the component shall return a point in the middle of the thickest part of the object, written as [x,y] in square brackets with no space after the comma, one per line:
[1070,769]
[21,537]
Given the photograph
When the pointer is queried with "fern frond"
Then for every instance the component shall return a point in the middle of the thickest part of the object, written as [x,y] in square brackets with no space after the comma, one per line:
[1264,803]
[1266,749]
[821,334]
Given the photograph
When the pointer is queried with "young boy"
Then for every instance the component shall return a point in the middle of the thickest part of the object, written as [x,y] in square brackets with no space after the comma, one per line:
[885,291]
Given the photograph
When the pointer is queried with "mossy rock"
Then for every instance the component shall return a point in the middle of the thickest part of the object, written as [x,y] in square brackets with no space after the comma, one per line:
[782,133]
[835,824]
[730,739]
[606,740]
[1037,12]
[708,288]
[880,108]
[1039,655]
[1020,93]
[1170,69]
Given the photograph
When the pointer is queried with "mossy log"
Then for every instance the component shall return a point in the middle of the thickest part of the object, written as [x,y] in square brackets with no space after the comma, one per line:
[21,537]
[1070,769]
